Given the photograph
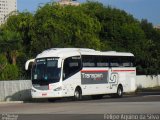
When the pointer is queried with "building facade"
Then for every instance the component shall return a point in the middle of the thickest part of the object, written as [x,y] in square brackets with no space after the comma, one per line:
[157,27]
[7,7]
[68,2]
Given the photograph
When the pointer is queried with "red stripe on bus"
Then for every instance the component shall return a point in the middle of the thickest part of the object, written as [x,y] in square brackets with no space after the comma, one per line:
[123,70]
[94,70]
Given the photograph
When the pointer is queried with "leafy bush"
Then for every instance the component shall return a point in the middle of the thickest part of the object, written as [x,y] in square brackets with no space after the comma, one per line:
[7,71]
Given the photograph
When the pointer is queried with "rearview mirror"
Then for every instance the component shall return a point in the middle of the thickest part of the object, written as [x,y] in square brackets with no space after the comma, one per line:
[28,63]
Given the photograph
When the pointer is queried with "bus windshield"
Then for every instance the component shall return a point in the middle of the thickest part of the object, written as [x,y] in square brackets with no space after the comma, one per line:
[45,71]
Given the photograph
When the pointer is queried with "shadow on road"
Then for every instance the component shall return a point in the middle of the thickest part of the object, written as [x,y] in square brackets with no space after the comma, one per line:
[134,97]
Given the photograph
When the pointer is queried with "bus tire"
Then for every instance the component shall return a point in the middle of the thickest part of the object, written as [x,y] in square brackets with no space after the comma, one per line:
[78,94]
[119,91]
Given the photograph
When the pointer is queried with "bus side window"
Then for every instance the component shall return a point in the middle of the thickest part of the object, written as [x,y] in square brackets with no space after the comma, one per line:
[88,61]
[102,61]
[127,61]
[132,61]
[114,61]
[71,66]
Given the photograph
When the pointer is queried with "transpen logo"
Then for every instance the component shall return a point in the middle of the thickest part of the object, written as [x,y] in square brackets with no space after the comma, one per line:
[114,78]
[93,76]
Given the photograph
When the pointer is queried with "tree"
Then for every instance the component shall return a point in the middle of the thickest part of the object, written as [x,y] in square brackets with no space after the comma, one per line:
[89,25]
[154,36]
[10,43]
[23,27]
[7,71]
[19,44]
[57,26]
[3,62]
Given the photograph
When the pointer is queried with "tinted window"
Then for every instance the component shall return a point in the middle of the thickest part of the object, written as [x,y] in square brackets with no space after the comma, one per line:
[121,61]
[71,66]
[126,61]
[114,61]
[45,71]
[106,61]
[88,61]
[102,61]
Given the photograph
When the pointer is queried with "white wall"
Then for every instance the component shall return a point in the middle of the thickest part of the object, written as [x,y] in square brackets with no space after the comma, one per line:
[19,90]
[143,81]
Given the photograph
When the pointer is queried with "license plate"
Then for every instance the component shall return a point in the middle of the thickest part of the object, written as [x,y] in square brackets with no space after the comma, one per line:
[44,94]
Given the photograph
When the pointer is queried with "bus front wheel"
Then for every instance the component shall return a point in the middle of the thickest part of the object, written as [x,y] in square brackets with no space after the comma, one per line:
[78,94]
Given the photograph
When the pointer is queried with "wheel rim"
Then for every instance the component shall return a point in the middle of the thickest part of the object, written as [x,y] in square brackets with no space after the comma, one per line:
[76,94]
[119,92]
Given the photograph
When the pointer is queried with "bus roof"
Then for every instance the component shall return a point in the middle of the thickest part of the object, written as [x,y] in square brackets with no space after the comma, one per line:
[66,52]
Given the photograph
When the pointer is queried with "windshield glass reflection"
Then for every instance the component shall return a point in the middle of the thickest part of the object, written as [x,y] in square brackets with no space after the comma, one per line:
[45,71]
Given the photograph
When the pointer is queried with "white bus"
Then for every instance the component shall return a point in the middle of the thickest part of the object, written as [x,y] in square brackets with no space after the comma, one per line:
[66,72]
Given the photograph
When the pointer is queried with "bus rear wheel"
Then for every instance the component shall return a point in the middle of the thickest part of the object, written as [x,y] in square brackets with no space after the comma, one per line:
[119,92]
[78,94]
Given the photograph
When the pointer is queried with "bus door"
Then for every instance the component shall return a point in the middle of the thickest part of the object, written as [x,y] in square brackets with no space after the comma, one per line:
[71,76]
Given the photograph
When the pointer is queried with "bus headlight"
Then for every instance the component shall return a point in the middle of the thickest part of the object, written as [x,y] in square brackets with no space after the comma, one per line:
[58,89]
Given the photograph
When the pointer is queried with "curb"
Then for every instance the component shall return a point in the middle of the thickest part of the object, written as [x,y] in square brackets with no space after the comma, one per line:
[11,102]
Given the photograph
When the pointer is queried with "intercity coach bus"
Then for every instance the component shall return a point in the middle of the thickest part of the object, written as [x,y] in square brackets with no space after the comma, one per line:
[76,72]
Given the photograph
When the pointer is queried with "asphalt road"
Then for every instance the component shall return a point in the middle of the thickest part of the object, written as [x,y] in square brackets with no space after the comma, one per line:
[142,103]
